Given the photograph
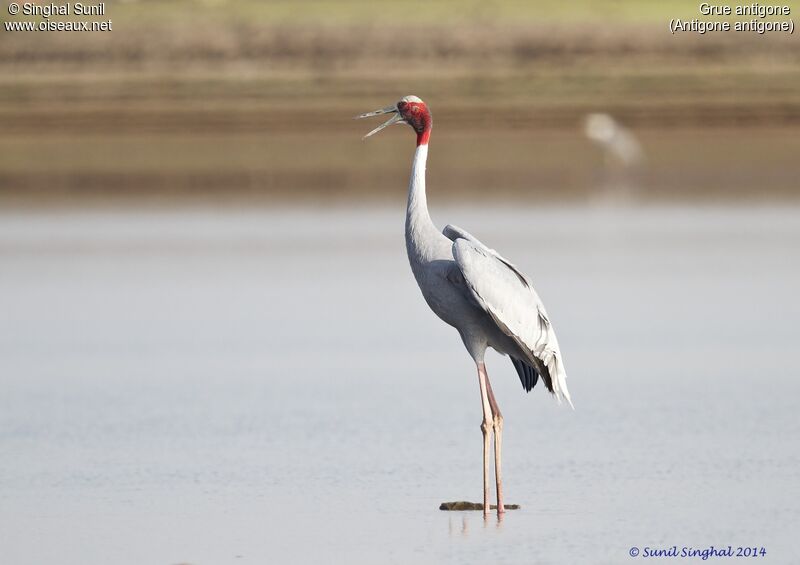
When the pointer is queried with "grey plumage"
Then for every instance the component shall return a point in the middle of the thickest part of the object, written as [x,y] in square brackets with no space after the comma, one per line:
[477,291]
[487,298]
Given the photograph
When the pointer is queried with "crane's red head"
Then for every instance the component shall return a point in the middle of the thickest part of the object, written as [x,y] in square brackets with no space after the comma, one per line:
[409,110]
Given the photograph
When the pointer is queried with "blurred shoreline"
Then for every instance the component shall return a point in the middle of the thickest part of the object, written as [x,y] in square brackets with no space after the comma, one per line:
[693,165]
[252,102]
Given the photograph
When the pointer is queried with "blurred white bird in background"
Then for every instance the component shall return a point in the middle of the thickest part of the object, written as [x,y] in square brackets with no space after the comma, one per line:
[623,158]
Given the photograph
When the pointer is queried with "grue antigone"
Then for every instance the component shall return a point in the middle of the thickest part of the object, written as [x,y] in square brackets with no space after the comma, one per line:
[472,288]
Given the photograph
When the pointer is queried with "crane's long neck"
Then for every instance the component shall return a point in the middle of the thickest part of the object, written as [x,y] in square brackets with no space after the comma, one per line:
[421,235]
[417,210]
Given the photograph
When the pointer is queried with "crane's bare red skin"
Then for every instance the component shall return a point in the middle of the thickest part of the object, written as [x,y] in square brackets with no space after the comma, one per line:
[417,115]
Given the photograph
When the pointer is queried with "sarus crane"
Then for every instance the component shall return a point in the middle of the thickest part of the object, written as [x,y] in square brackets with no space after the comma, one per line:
[481,294]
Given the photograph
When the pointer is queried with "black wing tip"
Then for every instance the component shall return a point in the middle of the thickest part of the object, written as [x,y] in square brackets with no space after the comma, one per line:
[548,381]
[529,375]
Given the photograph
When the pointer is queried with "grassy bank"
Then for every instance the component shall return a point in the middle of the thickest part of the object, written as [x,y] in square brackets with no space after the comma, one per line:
[254,98]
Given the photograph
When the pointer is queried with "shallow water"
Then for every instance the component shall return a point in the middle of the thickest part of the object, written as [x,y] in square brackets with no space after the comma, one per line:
[267,386]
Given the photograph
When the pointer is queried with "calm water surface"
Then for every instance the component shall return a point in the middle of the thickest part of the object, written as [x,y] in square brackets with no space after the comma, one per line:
[267,386]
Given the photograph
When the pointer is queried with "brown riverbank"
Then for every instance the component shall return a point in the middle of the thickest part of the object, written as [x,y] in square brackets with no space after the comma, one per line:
[257,104]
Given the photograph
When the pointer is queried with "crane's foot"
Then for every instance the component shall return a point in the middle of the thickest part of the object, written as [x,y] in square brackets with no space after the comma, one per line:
[463,505]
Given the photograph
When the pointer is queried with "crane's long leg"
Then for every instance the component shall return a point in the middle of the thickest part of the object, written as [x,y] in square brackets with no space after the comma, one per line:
[497,424]
[486,427]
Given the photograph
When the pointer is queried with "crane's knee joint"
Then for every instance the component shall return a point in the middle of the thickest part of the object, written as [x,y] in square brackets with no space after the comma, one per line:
[497,422]
[486,426]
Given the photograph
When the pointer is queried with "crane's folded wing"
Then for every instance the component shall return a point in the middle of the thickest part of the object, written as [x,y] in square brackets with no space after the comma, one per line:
[507,295]
[453,233]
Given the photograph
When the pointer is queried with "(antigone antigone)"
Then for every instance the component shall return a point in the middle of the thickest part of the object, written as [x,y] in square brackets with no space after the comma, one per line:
[474,289]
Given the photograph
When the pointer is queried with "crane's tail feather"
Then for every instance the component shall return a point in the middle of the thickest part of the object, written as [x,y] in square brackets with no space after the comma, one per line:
[552,360]
[550,369]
